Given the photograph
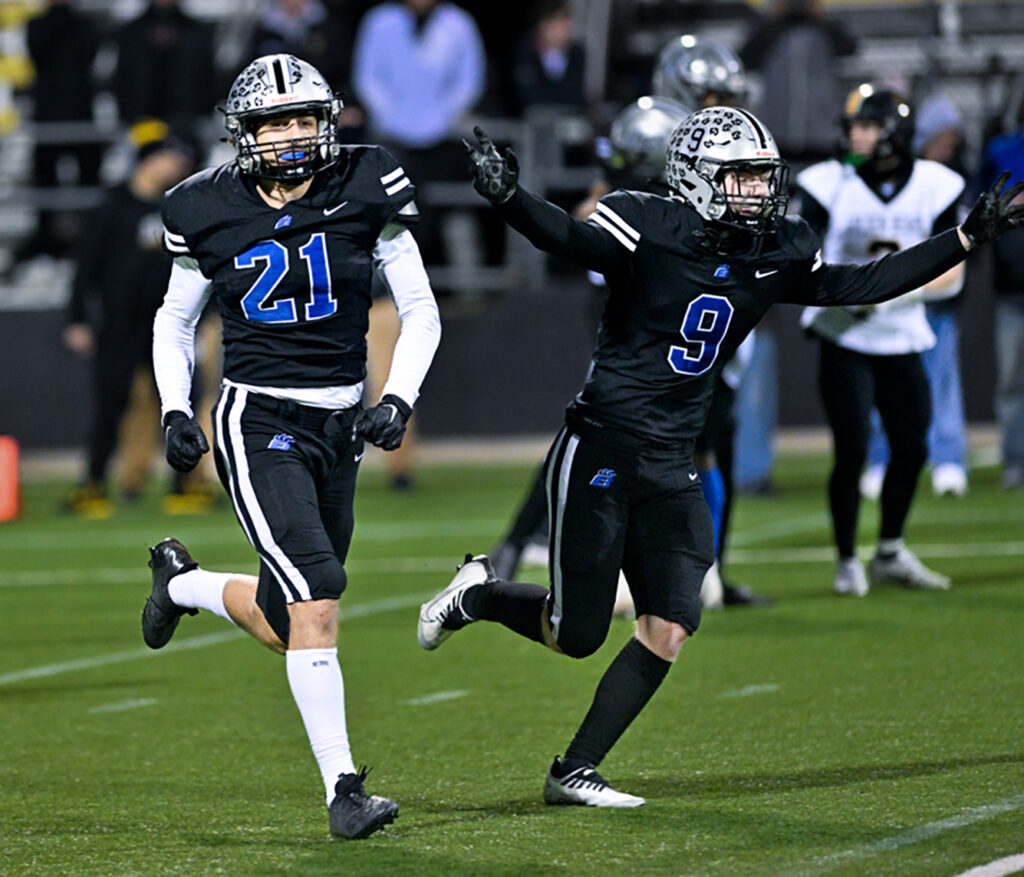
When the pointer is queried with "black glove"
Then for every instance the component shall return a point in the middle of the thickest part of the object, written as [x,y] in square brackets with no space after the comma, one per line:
[186,443]
[494,175]
[993,214]
[384,424]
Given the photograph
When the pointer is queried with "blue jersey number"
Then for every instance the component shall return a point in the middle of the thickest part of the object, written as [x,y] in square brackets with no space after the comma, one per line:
[704,326]
[275,256]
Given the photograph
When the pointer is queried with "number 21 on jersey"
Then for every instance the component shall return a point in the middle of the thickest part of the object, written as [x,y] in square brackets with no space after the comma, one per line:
[321,303]
[704,326]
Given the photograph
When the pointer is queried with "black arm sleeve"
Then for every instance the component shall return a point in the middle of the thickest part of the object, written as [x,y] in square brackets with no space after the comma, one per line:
[883,279]
[551,229]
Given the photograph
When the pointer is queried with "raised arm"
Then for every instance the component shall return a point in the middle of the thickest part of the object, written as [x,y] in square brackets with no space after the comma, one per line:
[993,214]
[598,244]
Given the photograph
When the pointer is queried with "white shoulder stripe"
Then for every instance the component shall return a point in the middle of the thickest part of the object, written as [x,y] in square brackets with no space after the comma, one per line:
[397,187]
[171,236]
[175,246]
[598,219]
[394,175]
[605,210]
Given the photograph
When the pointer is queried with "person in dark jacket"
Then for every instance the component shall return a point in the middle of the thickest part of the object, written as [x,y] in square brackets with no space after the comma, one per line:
[114,300]
[548,65]
[62,45]
[164,65]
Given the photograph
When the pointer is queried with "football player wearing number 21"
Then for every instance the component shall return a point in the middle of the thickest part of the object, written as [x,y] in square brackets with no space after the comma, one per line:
[286,238]
[689,275]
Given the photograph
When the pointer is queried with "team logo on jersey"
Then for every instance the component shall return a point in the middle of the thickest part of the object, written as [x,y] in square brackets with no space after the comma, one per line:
[721,272]
[281,442]
[283,222]
[603,478]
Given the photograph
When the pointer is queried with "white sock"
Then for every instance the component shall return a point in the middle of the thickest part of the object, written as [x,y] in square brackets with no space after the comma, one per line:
[200,589]
[314,676]
[890,546]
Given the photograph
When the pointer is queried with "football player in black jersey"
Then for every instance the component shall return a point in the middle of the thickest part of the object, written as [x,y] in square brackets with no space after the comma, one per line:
[286,238]
[689,276]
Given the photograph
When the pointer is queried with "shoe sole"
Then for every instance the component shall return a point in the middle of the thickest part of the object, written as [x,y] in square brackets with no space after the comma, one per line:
[564,799]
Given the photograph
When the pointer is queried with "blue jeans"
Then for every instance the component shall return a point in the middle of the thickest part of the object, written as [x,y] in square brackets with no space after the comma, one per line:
[947,433]
[757,414]
[1010,377]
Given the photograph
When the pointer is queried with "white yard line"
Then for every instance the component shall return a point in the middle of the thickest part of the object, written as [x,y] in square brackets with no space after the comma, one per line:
[436,697]
[359,610]
[749,690]
[394,565]
[123,705]
[915,835]
[998,868]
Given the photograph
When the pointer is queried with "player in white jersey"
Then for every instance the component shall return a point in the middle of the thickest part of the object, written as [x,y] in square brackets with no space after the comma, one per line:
[877,198]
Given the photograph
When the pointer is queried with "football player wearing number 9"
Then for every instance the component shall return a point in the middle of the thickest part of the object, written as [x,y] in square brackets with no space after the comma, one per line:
[688,275]
[286,238]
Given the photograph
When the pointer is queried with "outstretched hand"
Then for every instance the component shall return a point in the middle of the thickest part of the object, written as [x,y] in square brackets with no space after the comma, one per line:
[494,175]
[994,213]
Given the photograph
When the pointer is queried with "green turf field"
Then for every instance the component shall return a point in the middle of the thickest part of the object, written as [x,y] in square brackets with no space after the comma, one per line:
[819,736]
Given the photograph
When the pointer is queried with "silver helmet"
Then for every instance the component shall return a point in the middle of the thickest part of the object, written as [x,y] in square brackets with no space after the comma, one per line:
[276,85]
[717,141]
[694,70]
[636,143]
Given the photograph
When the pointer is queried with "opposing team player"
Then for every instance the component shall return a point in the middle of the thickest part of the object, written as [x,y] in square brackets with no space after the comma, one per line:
[286,238]
[877,198]
[689,275]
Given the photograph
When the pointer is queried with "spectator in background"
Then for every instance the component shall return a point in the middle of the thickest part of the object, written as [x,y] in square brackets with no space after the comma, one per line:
[62,45]
[418,68]
[794,48]
[1005,152]
[938,136]
[164,66]
[114,300]
[548,65]
[305,28]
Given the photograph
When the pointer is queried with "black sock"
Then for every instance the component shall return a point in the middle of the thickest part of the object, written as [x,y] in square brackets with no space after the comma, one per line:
[516,605]
[624,690]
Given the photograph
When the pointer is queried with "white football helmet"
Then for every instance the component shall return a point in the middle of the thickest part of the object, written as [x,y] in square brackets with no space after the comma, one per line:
[636,143]
[275,85]
[695,70]
[708,145]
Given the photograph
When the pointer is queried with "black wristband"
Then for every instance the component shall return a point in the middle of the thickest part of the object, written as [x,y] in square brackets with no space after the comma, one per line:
[399,403]
[173,417]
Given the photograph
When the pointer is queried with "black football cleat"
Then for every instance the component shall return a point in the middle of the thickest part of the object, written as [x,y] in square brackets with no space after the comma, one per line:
[741,595]
[355,814]
[160,615]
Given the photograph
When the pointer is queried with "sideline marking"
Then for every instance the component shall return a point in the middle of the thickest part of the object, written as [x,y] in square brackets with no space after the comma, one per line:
[436,697]
[998,868]
[123,706]
[360,610]
[915,835]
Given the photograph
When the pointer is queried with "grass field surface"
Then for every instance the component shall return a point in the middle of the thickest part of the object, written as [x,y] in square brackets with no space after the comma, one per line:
[817,736]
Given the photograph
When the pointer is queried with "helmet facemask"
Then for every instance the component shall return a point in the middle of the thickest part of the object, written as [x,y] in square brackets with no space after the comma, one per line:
[711,152]
[276,86]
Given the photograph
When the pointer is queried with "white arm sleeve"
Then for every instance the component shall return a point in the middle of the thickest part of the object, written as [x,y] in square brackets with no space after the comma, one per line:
[174,334]
[399,265]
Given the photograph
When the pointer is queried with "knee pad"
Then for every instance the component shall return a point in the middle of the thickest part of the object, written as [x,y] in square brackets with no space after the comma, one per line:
[579,642]
[325,576]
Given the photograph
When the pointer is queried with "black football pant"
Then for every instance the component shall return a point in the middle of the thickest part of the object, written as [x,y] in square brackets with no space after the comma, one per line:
[851,383]
[290,471]
[616,503]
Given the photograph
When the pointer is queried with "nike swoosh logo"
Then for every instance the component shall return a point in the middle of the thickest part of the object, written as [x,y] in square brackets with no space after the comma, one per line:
[760,274]
[693,476]
[329,210]
[358,457]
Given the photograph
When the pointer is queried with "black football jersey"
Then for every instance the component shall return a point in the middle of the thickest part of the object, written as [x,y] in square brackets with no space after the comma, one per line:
[677,309]
[292,283]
